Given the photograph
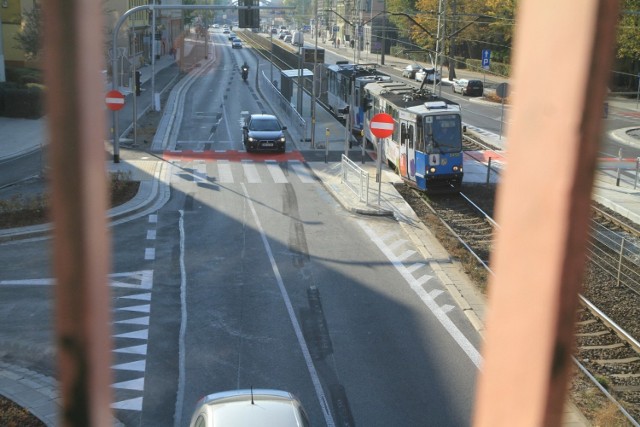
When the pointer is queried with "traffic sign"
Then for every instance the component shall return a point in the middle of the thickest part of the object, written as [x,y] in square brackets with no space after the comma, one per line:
[486,58]
[114,100]
[382,125]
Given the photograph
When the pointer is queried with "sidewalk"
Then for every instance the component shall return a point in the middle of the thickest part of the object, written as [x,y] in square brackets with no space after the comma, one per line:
[39,393]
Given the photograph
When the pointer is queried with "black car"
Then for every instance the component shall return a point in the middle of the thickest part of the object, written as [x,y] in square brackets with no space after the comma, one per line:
[264,132]
[474,88]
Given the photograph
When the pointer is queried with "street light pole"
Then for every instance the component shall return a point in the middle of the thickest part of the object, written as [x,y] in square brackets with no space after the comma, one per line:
[384,31]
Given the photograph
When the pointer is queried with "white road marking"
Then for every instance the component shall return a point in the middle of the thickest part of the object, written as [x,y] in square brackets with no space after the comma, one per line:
[151,234]
[225,176]
[445,321]
[303,172]
[276,172]
[315,379]
[183,327]
[150,254]
[251,172]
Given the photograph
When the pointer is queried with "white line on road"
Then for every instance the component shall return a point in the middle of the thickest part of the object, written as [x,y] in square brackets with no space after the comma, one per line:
[438,312]
[315,379]
[183,327]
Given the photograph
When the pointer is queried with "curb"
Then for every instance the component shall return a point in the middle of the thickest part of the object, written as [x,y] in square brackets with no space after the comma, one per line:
[151,196]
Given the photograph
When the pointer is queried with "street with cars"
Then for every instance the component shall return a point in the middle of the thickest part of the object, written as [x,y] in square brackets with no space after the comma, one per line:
[251,276]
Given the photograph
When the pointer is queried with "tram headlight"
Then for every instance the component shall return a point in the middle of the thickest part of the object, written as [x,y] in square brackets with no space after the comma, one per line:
[456,168]
[432,170]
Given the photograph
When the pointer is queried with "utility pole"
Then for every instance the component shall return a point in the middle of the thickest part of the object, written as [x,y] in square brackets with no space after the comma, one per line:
[452,42]
[2,75]
[384,31]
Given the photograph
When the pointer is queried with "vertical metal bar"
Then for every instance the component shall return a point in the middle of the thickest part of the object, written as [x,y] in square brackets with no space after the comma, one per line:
[635,183]
[489,171]
[620,258]
[540,251]
[76,121]
[618,170]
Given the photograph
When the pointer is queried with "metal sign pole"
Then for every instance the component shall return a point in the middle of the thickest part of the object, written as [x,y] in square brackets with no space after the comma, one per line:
[379,168]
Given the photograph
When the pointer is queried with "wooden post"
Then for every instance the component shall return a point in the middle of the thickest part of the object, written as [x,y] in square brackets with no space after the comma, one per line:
[75,107]
[560,78]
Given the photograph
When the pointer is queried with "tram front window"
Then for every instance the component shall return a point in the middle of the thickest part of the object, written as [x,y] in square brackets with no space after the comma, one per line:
[443,133]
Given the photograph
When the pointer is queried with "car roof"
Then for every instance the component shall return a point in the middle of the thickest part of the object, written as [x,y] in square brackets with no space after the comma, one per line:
[263,117]
[259,407]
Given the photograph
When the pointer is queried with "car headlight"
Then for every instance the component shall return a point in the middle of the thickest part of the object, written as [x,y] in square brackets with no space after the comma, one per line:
[281,139]
[250,139]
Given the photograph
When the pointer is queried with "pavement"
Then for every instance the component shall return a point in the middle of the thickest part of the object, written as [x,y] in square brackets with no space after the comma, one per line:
[39,393]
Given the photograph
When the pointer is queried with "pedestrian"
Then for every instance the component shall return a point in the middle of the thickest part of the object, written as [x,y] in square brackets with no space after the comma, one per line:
[338,42]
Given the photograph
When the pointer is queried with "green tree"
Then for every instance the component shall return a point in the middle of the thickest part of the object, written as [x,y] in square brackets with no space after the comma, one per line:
[29,38]
[628,36]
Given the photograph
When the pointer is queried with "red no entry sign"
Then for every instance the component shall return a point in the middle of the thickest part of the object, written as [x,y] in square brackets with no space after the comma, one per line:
[114,100]
[382,125]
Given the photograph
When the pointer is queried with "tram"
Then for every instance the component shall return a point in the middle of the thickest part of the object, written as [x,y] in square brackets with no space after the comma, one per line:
[426,146]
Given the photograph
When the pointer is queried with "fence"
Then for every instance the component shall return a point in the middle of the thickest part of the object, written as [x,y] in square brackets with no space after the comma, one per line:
[356,178]
[283,105]
[618,254]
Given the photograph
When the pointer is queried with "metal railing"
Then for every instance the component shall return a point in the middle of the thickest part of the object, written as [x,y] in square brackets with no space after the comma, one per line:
[283,106]
[618,254]
[356,178]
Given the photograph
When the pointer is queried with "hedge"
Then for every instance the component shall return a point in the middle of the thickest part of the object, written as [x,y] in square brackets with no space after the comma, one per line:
[25,103]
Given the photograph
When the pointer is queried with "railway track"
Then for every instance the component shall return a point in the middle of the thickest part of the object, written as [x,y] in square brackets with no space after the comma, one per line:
[609,319]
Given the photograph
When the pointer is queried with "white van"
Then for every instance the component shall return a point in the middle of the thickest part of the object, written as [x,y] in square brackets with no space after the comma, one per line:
[298,38]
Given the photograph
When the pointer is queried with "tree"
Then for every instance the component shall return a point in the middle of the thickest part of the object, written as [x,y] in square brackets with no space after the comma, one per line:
[29,37]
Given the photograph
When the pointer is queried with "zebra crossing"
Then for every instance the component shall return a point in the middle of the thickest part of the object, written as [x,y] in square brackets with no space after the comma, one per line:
[131,307]
[248,171]
[131,312]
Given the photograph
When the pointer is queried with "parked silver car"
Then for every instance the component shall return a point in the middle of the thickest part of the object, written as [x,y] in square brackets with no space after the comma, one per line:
[411,70]
[428,74]
[255,408]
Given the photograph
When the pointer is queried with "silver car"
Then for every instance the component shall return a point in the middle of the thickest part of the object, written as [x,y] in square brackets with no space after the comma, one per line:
[255,408]
[411,70]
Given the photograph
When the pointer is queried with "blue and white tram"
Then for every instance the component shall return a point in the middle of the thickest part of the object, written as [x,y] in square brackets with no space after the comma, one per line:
[426,146]
[339,79]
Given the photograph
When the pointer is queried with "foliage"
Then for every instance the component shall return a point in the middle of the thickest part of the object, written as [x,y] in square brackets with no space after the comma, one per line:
[628,36]
[29,38]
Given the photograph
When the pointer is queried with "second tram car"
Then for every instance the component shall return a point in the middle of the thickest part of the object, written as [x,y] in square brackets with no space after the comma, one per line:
[426,145]
[342,79]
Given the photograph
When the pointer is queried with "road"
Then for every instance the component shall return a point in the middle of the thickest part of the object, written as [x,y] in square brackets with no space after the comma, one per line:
[252,275]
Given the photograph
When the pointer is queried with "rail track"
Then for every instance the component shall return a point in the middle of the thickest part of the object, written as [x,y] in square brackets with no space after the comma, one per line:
[609,319]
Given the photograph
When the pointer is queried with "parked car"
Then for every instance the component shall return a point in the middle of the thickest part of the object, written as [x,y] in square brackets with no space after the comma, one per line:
[468,87]
[263,132]
[410,71]
[427,74]
[288,38]
[255,408]
[236,43]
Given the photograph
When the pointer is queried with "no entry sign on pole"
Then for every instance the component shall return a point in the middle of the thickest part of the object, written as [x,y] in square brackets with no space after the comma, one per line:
[381,125]
[114,100]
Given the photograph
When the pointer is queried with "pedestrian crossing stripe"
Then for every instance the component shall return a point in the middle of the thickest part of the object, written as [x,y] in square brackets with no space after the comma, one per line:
[246,170]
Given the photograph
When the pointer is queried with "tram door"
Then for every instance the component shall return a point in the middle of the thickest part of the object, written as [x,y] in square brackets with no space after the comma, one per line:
[407,150]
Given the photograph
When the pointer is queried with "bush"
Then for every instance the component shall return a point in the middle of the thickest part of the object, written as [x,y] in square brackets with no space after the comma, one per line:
[23,76]
[22,103]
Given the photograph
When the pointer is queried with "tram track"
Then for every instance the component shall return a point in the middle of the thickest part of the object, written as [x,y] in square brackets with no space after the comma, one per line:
[609,318]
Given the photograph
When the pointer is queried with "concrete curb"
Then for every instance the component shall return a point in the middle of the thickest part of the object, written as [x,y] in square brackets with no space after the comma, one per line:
[151,195]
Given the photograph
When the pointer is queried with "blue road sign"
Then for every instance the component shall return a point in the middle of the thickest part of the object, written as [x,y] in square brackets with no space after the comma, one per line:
[486,58]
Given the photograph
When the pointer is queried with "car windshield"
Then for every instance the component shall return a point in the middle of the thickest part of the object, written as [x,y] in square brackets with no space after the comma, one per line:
[443,133]
[264,125]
